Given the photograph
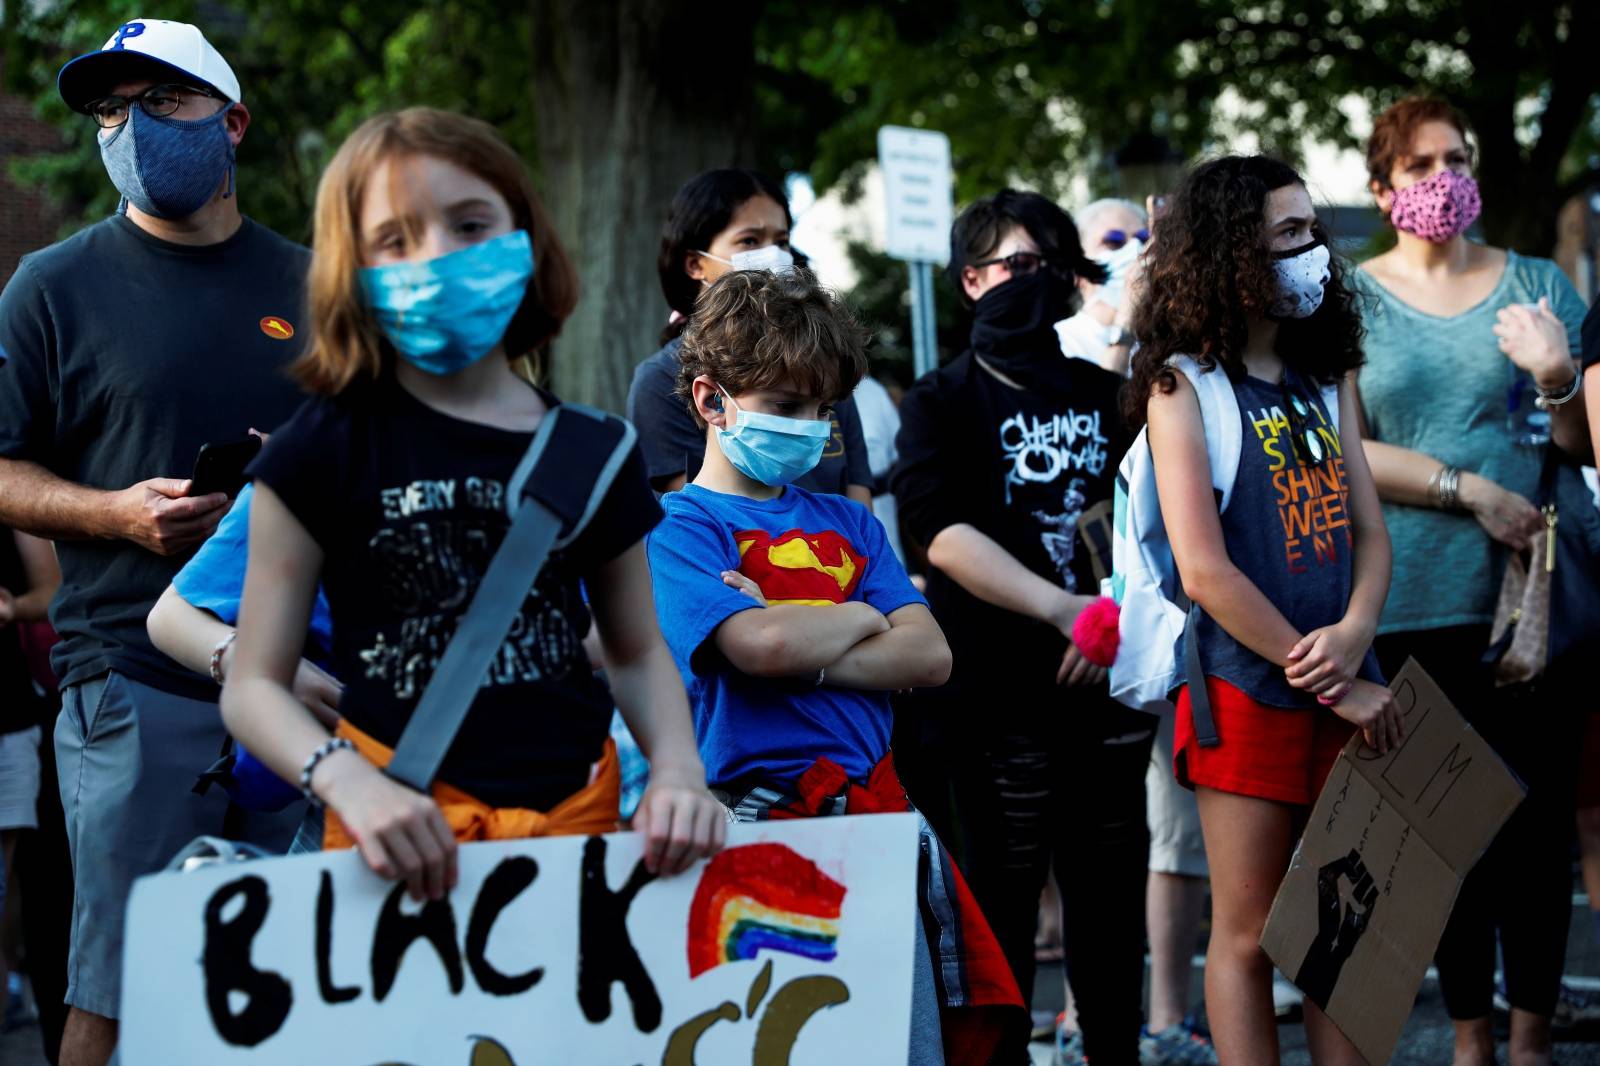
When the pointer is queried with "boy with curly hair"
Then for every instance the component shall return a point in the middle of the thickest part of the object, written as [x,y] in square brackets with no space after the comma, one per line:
[792,620]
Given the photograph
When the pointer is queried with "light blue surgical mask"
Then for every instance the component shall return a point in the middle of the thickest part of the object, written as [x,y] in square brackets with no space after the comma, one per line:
[444,314]
[772,449]
[168,167]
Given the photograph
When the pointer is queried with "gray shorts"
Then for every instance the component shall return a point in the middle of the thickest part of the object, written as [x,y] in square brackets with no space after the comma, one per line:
[127,755]
[19,779]
[1176,846]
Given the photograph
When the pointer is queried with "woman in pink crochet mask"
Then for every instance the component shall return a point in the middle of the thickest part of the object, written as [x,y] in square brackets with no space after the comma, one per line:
[1459,335]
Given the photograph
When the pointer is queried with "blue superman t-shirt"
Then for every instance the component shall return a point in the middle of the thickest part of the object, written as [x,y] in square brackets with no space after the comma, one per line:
[800,548]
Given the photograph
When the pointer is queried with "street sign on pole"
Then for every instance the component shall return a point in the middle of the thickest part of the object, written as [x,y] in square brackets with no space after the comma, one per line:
[917,185]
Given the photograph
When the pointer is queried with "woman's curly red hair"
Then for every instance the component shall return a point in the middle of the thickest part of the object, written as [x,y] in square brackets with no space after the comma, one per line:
[1209,271]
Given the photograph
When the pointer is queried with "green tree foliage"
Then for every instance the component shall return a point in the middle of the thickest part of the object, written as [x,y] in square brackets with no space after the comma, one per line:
[309,70]
[1031,91]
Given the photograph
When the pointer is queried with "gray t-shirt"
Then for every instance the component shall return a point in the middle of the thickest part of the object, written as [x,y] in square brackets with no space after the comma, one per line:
[1439,386]
[126,354]
[674,445]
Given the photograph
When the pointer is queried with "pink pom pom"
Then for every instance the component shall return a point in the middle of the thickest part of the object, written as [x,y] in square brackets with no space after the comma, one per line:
[1094,631]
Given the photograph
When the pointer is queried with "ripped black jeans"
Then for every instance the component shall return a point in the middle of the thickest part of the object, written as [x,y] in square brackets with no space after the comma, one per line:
[1066,793]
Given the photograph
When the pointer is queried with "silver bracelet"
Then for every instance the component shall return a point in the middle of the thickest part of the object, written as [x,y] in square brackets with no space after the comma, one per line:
[1555,398]
[1449,483]
[328,747]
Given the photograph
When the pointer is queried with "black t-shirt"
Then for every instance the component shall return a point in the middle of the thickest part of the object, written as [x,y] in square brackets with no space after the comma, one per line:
[21,705]
[409,506]
[126,354]
[1032,469]
[674,445]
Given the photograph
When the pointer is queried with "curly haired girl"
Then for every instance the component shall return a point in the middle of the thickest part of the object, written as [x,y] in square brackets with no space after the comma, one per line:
[1288,578]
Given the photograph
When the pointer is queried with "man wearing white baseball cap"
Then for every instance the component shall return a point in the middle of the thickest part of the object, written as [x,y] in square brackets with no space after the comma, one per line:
[132,344]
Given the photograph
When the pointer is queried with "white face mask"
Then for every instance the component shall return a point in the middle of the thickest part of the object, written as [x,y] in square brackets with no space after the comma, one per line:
[772,258]
[1117,264]
[1303,277]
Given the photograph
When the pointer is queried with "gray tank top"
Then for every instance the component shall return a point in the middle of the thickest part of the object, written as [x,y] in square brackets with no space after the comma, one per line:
[1287,527]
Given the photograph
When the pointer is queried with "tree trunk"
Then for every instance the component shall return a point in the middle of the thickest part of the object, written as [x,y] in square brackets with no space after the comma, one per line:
[632,98]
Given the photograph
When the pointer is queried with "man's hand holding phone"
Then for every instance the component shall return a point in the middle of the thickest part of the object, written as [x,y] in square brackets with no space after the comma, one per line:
[161,516]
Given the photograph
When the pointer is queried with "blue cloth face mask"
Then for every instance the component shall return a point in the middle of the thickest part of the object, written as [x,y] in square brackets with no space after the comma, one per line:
[772,449]
[444,314]
[169,167]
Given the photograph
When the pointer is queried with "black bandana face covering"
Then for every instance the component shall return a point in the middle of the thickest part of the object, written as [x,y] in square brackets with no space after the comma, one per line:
[1014,324]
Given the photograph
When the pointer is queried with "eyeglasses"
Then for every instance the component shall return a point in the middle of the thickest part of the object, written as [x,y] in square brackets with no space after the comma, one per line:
[1019,263]
[1115,238]
[158,101]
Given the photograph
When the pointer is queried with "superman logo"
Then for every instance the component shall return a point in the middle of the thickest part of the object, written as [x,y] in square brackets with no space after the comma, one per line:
[812,569]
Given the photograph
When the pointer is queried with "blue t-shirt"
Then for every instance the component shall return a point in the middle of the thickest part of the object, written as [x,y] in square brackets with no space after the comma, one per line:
[801,548]
[214,579]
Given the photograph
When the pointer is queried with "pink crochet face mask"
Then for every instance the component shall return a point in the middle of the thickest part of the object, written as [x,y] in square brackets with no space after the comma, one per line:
[1438,208]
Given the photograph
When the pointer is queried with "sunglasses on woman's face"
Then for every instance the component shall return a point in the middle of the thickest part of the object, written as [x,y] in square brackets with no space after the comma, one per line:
[1116,238]
[1019,263]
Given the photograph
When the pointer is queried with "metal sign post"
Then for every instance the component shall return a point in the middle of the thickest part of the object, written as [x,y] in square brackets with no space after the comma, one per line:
[917,186]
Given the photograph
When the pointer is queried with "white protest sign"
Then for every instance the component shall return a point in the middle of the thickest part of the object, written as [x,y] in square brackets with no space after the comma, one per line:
[793,945]
[916,193]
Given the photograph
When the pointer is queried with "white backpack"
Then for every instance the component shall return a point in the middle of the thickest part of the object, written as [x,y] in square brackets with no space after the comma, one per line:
[1144,579]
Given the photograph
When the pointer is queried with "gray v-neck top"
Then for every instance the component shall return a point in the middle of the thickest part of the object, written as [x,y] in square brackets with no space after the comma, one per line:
[1439,385]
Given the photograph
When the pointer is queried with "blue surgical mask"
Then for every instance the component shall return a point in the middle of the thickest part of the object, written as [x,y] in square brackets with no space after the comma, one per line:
[772,449]
[444,314]
[168,167]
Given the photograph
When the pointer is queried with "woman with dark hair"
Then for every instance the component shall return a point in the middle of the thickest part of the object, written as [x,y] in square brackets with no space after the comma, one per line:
[1287,572]
[1470,380]
[1007,455]
[720,221]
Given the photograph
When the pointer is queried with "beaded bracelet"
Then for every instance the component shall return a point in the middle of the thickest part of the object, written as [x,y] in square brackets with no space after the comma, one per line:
[217,653]
[331,745]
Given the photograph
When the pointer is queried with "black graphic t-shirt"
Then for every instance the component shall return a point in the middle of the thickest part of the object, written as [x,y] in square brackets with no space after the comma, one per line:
[1031,468]
[409,507]
[1287,528]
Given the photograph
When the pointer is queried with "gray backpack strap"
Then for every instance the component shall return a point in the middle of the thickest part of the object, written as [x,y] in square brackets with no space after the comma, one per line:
[557,488]
[1205,724]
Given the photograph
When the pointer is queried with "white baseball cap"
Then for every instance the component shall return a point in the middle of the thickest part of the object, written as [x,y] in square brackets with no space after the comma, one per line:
[142,47]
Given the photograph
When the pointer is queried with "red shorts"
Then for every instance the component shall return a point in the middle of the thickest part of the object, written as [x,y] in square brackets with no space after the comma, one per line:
[1589,767]
[1271,753]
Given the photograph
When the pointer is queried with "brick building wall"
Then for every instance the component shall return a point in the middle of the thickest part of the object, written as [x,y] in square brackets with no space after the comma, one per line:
[28,218]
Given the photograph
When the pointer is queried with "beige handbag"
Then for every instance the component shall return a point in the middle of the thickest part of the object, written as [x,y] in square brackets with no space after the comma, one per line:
[1523,612]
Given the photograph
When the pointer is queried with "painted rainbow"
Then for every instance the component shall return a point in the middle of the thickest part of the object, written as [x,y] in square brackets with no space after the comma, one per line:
[762,897]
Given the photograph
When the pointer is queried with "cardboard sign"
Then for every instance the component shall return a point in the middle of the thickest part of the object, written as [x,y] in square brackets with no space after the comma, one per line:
[793,945]
[1361,910]
[917,184]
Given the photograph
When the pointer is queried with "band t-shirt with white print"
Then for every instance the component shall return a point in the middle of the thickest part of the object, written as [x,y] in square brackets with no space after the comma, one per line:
[1287,527]
[1032,469]
[408,505]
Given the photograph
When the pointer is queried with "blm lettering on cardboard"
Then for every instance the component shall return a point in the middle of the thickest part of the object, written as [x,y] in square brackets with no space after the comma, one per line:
[1371,884]
[793,945]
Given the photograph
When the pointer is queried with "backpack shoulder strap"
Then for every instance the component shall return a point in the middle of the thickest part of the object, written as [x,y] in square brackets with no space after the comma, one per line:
[1220,414]
[556,489]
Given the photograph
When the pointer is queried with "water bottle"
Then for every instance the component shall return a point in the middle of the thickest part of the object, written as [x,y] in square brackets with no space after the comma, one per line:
[1526,422]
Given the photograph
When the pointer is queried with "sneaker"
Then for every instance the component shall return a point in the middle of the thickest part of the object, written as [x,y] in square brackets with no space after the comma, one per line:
[20,1007]
[1044,1025]
[1069,1044]
[1184,1044]
[1287,1000]
[1575,1007]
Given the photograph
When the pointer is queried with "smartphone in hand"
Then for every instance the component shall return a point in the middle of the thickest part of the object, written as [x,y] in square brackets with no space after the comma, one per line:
[220,467]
